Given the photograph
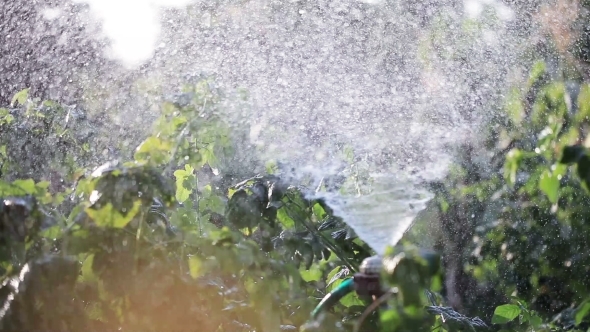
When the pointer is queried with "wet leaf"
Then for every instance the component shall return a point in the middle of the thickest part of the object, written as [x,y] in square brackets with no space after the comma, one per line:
[53,232]
[27,185]
[351,300]
[209,157]
[196,267]
[86,270]
[514,106]
[43,184]
[536,72]
[284,218]
[272,167]
[512,164]
[505,313]
[314,273]
[389,317]
[154,150]
[108,216]
[211,202]
[549,184]
[337,273]
[582,312]
[5,118]
[318,211]
[20,97]
[184,180]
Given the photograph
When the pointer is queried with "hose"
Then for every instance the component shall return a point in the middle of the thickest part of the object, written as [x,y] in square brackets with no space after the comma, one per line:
[346,287]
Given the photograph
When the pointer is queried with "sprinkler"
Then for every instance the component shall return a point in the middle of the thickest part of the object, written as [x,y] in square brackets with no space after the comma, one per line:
[409,269]
[365,283]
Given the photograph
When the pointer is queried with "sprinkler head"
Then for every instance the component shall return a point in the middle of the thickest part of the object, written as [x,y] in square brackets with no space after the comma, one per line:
[367,282]
[371,265]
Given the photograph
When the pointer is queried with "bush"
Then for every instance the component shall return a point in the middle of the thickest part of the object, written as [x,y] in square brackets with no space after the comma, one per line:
[142,245]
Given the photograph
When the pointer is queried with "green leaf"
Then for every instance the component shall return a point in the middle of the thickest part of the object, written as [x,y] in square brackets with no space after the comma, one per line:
[318,211]
[332,275]
[351,300]
[27,185]
[549,184]
[210,201]
[108,216]
[272,167]
[536,72]
[505,313]
[20,97]
[511,165]
[182,194]
[513,106]
[444,205]
[168,108]
[583,103]
[195,265]
[5,116]
[284,218]
[184,179]
[535,321]
[313,274]
[336,277]
[153,149]
[43,184]
[209,157]
[389,318]
[54,232]
[86,270]
[582,312]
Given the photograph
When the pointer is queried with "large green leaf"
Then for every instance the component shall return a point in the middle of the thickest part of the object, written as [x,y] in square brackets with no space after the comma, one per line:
[505,313]
[87,274]
[549,184]
[184,183]
[27,185]
[284,218]
[351,300]
[582,312]
[313,274]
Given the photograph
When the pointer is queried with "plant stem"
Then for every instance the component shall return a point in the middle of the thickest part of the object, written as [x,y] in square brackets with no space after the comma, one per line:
[326,241]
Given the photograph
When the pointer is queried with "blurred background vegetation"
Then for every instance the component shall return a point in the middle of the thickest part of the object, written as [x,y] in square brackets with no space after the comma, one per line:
[192,230]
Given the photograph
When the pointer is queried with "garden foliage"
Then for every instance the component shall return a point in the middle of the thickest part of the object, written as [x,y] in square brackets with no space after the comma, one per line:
[141,245]
[147,245]
[166,240]
[513,213]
